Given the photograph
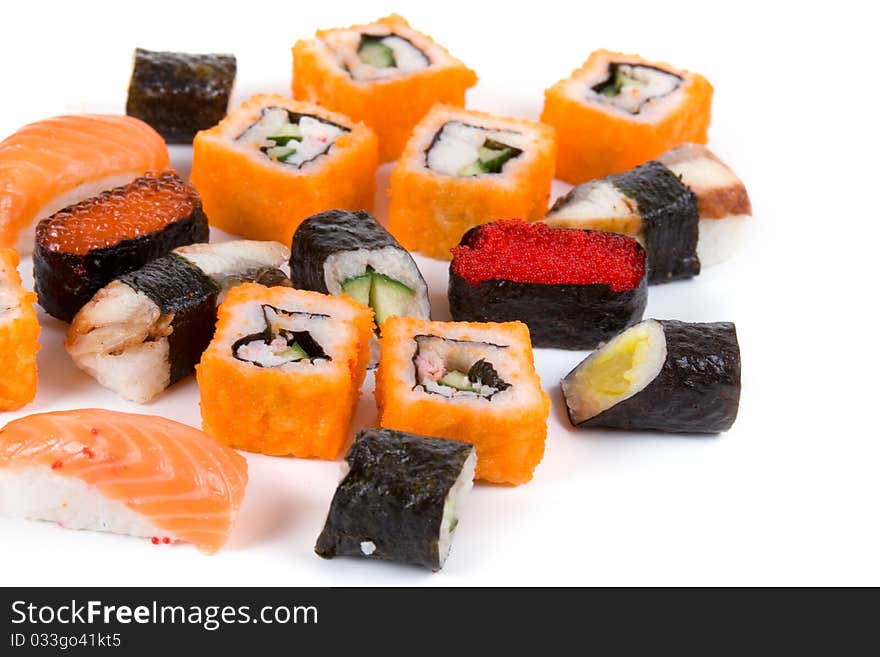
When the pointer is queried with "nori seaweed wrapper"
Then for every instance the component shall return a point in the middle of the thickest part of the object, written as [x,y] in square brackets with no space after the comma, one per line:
[65,282]
[178,287]
[562,316]
[324,234]
[179,94]
[393,496]
[697,389]
[670,221]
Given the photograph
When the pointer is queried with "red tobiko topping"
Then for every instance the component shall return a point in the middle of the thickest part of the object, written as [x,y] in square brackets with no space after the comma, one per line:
[514,250]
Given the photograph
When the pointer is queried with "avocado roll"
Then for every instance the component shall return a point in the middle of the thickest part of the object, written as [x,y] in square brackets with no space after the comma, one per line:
[659,375]
[573,288]
[148,328]
[85,246]
[178,93]
[400,499]
[650,201]
[338,252]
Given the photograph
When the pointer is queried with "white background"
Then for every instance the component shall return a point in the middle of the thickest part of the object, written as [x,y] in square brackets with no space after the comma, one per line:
[788,496]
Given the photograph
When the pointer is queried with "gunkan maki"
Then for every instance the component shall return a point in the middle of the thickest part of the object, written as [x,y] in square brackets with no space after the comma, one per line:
[400,498]
[660,375]
[573,288]
[85,246]
[178,93]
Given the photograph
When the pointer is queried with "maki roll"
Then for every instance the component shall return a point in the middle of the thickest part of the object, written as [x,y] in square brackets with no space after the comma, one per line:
[660,203]
[385,74]
[274,162]
[52,164]
[148,328]
[338,252]
[282,375]
[400,498]
[467,381]
[461,169]
[618,110]
[19,331]
[662,375]
[179,93]
[573,288]
[85,246]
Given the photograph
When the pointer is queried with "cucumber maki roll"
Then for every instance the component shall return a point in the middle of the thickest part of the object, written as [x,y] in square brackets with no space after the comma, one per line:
[400,498]
[338,252]
[660,375]
[179,94]
[573,288]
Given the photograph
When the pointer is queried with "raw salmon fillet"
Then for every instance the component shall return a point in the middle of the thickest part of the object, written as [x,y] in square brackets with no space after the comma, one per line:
[184,484]
[51,164]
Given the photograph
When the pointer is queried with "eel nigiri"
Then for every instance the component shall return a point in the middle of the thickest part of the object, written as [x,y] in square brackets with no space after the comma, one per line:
[51,164]
[148,328]
[18,336]
[138,475]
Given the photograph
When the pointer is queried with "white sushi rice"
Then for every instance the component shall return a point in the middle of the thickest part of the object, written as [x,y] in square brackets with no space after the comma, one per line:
[393,263]
[40,493]
[584,401]
[9,306]
[720,239]
[457,145]
[454,503]
[317,136]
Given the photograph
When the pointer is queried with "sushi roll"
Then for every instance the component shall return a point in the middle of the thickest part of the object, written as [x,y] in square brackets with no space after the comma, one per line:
[467,381]
[49,165]
[660,375]
[573,288]
[148,328]
[274,162]
[85,246]
[338,252]
[385,74]
[461,169]
[179,93]
[400,499]
[660,203]
[617,111]
[137,475]
[19,331]
[283,373]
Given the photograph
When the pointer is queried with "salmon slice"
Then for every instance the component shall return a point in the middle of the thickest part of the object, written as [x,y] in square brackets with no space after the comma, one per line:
[140,475]
[49,165]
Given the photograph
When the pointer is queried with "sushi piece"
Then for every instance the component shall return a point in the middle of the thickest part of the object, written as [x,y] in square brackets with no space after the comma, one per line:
[385,74]
[137,475]
[400,499]
[179,93]
[467,381]
[275,161]
[338,252]
[661,375]
[652,203]
[82,248]
[51,164]
[19,330]
[463,168]
[148,328]
[617,111]
[573,288]
[284,371]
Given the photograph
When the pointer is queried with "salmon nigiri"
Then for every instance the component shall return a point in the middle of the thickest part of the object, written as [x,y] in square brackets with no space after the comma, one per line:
[51,164]
[139,475]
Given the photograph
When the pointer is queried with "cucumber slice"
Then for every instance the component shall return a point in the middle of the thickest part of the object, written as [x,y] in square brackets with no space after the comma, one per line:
[620,81]
[375,53]
[358,288]
[294,352]
[495,160]
[389,297]
[475,168]
[283,140]
[457,380]
[280,152]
